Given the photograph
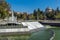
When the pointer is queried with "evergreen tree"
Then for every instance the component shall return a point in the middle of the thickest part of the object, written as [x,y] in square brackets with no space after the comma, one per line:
[35,14]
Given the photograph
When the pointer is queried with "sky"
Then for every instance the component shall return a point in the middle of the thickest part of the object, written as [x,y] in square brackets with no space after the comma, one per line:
[30,5]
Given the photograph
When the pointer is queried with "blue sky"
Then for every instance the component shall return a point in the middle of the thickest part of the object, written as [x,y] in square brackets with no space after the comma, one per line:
[30,5]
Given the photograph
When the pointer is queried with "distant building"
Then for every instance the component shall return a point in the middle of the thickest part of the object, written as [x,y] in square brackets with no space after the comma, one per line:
[48,9]
[19,12]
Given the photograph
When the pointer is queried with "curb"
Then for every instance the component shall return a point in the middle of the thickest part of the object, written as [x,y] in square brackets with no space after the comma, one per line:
[53,35]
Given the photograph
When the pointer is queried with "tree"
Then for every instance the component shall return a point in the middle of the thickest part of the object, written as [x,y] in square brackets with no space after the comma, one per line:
[24,15]
[31,17]
[4,8]
[35,14]
[50,15]
[57,10]
[40,14]
[57,16]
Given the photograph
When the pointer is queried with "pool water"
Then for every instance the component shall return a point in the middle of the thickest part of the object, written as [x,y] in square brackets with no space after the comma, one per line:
[57,33]
[41,35]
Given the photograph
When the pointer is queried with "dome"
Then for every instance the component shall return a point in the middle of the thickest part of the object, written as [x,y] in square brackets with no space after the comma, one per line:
[48,9]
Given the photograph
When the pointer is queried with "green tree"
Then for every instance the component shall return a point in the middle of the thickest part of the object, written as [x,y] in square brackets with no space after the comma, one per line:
[40,14]
[24,15]
[4,8]
[57,16]
[31,17]
[35,14]
[50,15]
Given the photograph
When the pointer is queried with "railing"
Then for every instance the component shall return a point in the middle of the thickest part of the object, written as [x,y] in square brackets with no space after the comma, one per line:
[12,26]
[47,21]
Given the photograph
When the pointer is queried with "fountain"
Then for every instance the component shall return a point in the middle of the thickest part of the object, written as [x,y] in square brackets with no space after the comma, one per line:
[12,19]
[13,26]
